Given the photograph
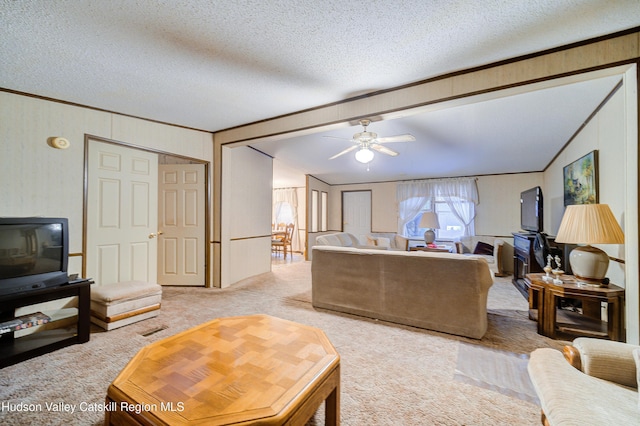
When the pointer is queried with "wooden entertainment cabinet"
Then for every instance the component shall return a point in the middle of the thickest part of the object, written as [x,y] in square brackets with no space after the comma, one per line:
[16,349]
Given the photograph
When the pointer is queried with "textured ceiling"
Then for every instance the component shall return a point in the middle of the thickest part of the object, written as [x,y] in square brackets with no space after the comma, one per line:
[213,65]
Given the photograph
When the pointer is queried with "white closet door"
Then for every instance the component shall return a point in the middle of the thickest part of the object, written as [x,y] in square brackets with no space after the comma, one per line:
[356,213]
[122,209]
[181,219]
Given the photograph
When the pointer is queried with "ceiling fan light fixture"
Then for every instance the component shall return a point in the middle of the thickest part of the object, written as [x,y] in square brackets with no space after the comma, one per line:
[364,155]
[365,136]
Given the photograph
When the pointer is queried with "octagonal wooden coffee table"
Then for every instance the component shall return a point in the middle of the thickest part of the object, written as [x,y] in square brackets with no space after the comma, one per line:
[236,370]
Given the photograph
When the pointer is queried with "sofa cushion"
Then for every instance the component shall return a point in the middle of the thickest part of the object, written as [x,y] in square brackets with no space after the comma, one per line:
[383,242]
[329,240]
[345,239]
[127,290]
[396,241]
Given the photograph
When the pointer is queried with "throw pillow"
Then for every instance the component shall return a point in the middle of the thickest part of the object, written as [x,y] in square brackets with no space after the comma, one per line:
[384,242]
[483,248]
[372,241]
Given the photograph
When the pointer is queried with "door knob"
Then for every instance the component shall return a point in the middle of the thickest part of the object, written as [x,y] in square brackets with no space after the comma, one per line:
[152,235]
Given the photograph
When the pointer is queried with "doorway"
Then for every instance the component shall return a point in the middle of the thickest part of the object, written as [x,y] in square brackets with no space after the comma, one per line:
[125,197]
[356,213]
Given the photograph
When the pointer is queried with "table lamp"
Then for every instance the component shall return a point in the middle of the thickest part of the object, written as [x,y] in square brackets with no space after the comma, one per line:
[429,220]
[589,224]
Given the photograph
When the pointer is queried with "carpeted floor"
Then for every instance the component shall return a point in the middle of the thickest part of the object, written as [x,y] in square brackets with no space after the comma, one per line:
[501,371]
[390,374]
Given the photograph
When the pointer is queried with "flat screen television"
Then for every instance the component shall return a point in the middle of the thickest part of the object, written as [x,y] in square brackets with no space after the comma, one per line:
[531,210]
[34,253]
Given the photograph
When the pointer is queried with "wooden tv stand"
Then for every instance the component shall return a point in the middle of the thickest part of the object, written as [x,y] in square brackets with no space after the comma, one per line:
[17,349]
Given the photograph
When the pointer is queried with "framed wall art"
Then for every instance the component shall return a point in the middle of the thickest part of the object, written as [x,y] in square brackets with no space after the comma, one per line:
[581,180]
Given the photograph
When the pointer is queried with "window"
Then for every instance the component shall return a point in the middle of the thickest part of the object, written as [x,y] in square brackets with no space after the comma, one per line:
[323,215]
[314,211]
[284,213]
[451,228]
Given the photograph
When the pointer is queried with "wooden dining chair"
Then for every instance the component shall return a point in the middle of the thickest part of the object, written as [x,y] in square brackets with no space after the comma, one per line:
[283,242]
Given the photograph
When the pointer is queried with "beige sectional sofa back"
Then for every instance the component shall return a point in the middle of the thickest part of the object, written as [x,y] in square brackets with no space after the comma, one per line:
[339,239]
[437,291]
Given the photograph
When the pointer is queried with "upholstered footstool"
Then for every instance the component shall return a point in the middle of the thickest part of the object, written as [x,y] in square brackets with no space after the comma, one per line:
[117,305]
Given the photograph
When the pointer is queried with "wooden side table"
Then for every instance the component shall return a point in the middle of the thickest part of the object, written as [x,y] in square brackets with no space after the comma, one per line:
[544,297]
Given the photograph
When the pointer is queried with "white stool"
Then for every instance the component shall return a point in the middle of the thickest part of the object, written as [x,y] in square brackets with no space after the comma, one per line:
[117,305]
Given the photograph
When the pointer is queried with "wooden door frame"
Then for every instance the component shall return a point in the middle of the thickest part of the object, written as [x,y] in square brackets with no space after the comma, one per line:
[207,188]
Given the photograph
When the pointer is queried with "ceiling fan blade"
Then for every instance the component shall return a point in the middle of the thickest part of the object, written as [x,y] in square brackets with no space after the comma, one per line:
[337,137]
[351,148]
[383,149]
[398,138]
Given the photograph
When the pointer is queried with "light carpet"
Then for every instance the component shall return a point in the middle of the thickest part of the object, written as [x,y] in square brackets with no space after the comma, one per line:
[497,370]
[390,374]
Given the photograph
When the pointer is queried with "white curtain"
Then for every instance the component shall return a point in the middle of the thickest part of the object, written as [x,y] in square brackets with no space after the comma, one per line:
[289,196]
[457,194]
[413,195]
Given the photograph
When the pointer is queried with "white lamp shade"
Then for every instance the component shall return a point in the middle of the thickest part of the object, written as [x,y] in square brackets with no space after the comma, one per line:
[429,220]
[589,224]
[364,155]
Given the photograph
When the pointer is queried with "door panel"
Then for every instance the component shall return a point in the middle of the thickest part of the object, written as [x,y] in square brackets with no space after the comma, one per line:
[121,214]
[356,213]
[182,223]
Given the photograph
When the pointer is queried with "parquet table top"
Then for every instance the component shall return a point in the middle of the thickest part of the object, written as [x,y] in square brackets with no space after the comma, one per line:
[227,371]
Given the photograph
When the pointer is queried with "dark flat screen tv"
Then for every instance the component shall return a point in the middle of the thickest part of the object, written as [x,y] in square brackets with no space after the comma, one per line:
[531,210]
[34,253]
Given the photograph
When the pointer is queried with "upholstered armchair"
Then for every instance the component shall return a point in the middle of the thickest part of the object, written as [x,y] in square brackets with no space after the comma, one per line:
[594,383]
[492,253]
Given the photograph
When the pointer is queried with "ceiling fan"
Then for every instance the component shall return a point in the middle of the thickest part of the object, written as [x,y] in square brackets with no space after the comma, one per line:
[366,141]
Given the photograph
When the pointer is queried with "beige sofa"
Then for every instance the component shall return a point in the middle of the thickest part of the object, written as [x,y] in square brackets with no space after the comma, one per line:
[380,241]
[597,383]
[437,291]
[339,239]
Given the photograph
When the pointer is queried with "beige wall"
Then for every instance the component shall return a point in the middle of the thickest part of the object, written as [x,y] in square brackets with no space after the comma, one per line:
[37,180]
[605,133]
[498,213]
[314,184]
[246,214]
[384,211]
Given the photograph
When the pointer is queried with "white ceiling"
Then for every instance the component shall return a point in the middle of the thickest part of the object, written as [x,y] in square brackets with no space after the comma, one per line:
[213,65]
[506,134]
